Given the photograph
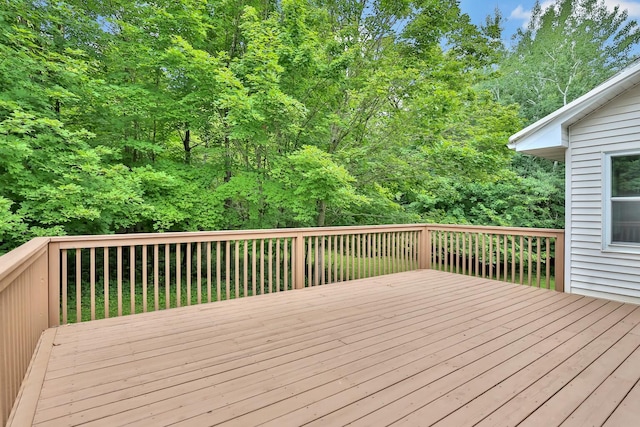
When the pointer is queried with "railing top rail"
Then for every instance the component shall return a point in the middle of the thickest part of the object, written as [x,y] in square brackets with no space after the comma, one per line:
[112,240]
[68,242]
[491,229]
[15,262]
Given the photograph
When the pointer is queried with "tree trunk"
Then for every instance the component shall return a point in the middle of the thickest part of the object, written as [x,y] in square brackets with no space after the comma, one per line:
[186,143]
[227,159]
[322,211]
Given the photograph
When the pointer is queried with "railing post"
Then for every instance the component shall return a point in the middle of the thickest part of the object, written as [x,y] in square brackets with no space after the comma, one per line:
[298,261]
[54,284]
[559,262]
[425,248]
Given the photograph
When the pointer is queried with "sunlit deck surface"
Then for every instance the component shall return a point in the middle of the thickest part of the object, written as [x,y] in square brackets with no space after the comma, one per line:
[416,348]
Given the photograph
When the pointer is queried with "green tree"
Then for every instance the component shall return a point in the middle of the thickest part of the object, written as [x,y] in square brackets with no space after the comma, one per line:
[566,50]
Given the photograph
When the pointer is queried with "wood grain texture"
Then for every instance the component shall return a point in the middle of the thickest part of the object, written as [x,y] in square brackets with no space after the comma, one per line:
[416,348]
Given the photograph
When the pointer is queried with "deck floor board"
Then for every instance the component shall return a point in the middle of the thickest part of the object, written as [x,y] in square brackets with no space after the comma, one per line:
[415,348]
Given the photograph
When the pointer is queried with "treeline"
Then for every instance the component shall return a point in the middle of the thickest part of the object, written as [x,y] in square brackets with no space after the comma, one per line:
[175,115]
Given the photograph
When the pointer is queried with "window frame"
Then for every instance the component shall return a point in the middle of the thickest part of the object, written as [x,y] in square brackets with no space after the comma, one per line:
[607,201]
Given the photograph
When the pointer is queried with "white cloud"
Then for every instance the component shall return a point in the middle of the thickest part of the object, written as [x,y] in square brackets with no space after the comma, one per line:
[520,14]
[524,15]
[633,7]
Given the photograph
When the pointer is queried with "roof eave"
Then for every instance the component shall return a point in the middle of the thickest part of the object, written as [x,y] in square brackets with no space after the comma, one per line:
[536,137]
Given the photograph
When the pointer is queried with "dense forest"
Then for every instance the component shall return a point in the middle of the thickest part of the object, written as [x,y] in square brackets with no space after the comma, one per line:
[177,115]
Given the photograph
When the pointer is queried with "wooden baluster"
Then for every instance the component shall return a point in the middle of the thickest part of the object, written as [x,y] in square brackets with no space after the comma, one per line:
[286,264]
[403,251]
[342,260]
[529,262]
[538,262]
[236,268]
[119,278]
[348,257]
[547,263]
[167,268]
[92,281]
[406,249]
[254,270]
[471,255]
[370,257]
[65,287]
[156,278]
[521,260]
[378,271]
[385,268]
[363,256]
[132,279]
[208,271]
[484,255]
[497,257]
[445,250]
[335,258]
[245,267]
[179,277]
[390,253]
[309,261]
[438,260]
[399,251]
[199,271]
[227,271]
[79,285]
[464,255]
[329,259]
[506,257]
[358,256]
[513,259]
[364,259]
[269,281]
[477,256]
[188,273]
[316,251]
[218,271]
[106,280]
[413,250]
[321,266]
[457,252]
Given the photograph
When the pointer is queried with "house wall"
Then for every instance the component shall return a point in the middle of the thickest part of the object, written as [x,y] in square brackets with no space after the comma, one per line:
[594,271]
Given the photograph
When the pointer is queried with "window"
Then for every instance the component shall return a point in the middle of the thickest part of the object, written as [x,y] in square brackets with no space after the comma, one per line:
[623,199]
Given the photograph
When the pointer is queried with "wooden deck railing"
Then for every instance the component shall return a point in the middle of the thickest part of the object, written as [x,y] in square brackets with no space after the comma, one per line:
[529,256]
[23,314]
[103,276]
[56,280]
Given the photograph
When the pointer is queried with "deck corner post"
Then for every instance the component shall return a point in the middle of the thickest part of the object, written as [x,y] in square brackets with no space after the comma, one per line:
[559,262]
[54,284]
[425,248]
[298,261]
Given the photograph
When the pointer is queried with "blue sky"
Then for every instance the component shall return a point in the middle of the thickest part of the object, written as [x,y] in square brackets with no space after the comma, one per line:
[517,12]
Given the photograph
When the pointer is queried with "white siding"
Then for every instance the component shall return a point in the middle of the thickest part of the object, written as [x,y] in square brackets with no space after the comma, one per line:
[594,272]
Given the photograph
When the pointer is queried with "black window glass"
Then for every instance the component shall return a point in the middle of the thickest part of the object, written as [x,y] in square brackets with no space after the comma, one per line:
[625,179]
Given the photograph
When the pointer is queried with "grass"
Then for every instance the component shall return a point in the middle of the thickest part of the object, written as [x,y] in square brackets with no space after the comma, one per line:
[347,268]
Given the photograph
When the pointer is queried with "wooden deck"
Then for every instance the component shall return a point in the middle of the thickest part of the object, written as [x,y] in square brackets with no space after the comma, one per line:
[416,348]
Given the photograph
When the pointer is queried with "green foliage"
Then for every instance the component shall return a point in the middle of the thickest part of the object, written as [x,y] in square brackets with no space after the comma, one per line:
[313,183]
[197,115]
[566,50]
